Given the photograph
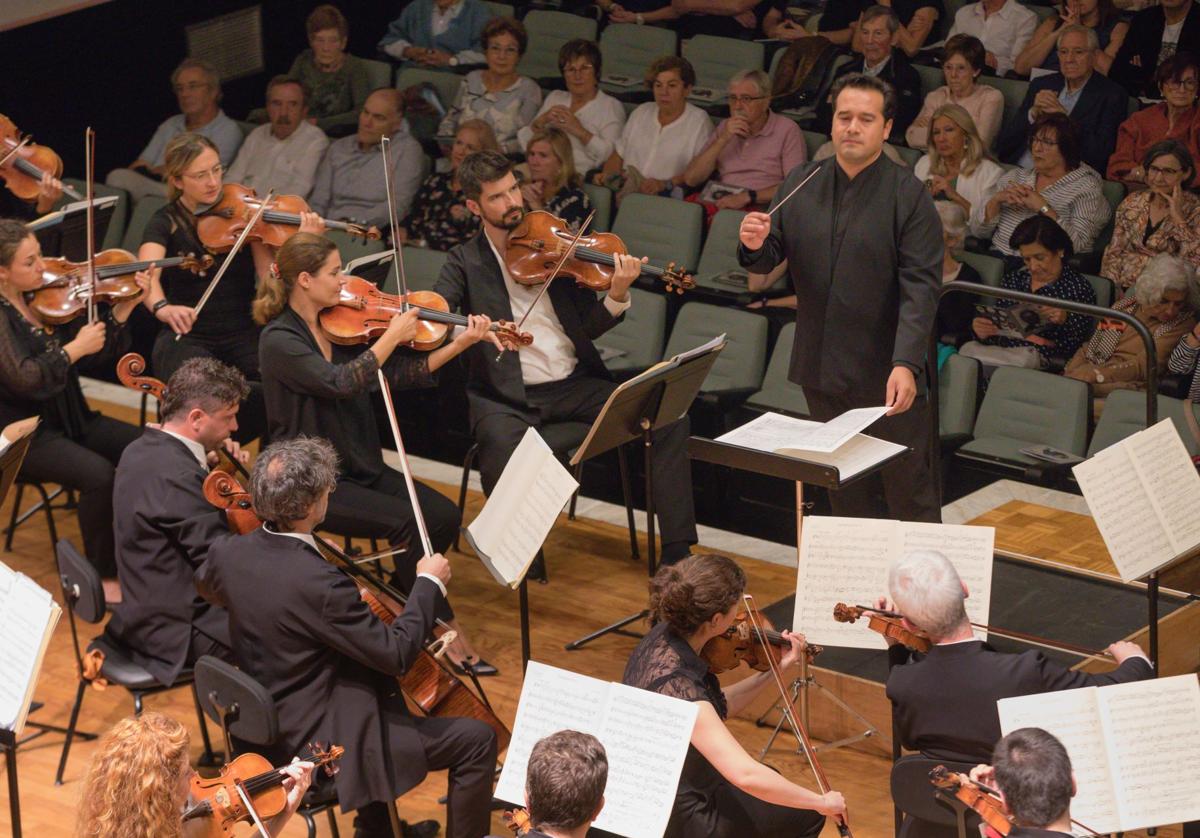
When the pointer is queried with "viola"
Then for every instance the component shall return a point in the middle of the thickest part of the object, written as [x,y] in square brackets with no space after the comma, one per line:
[65,287]
[743,642]
[220,225]
[984,801]
[363,313]
[23,163]
[890,626]
[218,800]
[542,240]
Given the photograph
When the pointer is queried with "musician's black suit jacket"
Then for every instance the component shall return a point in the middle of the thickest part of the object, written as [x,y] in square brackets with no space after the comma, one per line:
[162,527]
[471,281]
[945,702]
[300,629]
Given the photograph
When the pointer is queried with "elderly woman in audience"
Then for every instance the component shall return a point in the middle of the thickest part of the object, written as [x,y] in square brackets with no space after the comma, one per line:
[553,184]
[337,82]
[1044,247]
[1165,299]
[589,116]
[661,137]
[437,33]
[439,218]
[956,167]
[962,66]
[1184,358]
[1098,15]
[1176,118]
[955,311]
[497,94]
[1164,218]
[1059,186]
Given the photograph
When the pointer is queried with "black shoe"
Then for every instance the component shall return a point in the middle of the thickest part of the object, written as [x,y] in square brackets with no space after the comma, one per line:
[424,829]
[537,570]
[480,667]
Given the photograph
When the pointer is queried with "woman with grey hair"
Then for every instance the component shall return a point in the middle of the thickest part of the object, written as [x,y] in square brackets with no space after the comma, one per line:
[1165,299]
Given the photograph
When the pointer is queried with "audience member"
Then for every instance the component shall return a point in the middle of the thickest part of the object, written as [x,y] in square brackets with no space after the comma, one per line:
[554,185]
[638,11]
[439,218]
[587,115]
[955,311]
[1164,218]
[350,185]
[1059,186]
[1155,34]
[1044,248]
[1183,361]
[1164,299]
[497,94]
[282,155]
[438,33]
[198,90]
[956,168]
[661,137]
[337,81]
[917,19]
[1098,15]
[961,67]
[1095,104]
[1175,118]
[1004,27]
[564,784]
[752,150]
[743,19]
[877,35]
[1032,772]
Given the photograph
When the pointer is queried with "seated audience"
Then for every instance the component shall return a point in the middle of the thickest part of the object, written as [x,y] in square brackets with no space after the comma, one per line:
[554,185]
[961,68]
[1098,15]
[1004,27]
[955,311]
[337,81]
[139,783]
[349,184]
[438,33]
[198,90]
[1165,299]
[752,150]
[586,114]
[877,34]
[944,701]
[282,155]
[661,137]
[1094,103]
[1155,34]
[1032,772]
[1183,361]
[1044,248]
[638,11]
[439,218]
[1164,218]
[497,95]
[917,19]
[1175,118]
[744,19]
[564,784]
[1059,186]
[956,168]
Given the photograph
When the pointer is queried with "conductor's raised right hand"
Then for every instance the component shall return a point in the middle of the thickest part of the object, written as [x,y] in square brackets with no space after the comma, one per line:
[832,803]
[435,565]
[756,226]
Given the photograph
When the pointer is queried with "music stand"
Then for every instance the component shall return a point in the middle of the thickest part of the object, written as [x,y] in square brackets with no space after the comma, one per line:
[64,231]
[635,410]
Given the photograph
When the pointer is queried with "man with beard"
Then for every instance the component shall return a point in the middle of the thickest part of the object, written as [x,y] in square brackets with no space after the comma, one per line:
[560,377]
[283,154]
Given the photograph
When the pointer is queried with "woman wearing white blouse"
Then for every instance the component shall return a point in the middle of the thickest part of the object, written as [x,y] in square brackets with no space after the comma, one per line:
[964,62]
[956,168]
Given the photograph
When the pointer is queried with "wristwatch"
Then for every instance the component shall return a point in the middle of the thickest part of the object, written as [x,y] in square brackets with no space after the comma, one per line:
[154,308]
[453,62]
[1043,209]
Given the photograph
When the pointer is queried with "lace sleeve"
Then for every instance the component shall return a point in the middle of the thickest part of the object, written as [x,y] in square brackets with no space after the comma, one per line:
[658,667]
[26,372]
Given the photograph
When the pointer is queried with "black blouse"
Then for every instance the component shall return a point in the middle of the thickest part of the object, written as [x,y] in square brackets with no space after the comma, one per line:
[305,394]
[570,204]
[439,214]
[956,311]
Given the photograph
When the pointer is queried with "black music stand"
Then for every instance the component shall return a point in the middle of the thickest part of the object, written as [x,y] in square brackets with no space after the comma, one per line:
[643,404]
[523,590]
[64,231]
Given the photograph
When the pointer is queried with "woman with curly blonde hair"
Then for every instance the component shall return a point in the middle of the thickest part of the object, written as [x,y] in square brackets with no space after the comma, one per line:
[137,786]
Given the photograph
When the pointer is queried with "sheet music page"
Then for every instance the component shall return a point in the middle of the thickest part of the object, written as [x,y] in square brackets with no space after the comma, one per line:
[970,549]
[1153,733]
[769,432]
[518,515]
[646,737]
[25,611]
[1074,717]
[1171,480]
[860,453]
[832,435]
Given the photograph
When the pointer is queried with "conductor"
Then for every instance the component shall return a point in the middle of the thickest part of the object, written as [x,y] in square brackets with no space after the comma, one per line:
[864,248]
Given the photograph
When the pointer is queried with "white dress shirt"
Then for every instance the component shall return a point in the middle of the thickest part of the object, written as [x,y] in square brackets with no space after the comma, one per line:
[1004,32]
[976,188]
[196,448]
[603,117]
[663,151]
[287,166]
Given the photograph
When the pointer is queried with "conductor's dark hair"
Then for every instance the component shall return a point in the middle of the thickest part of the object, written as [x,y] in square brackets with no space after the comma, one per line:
[289,477]
[861,81]
[688,594]
[1038,229]
[1066,137]
[481,168]
[203,383]
[1034,772]
[565,779]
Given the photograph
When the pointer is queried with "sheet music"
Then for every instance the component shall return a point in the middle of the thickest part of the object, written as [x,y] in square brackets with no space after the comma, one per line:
[773,432]
[28,615]
[518,515]
[1171,481]
[832,435]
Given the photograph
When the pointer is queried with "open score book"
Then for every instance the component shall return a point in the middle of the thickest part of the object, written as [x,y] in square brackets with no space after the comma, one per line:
[28,615]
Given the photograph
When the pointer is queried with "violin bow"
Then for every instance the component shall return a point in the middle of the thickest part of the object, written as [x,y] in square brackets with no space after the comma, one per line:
[89,157]
[237,245]
[12,152]
[385,145]
[262,827]
[789,712]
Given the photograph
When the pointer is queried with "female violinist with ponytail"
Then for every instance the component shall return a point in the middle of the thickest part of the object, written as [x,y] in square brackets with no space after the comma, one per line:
[723,791]
[314,387]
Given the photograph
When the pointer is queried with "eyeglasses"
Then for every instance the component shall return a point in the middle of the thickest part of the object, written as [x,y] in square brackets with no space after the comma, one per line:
[214,173]
[738,99]
[189,87]
[1159,170]
[1048,142]
[579,70]
[499,50]
[1182,84]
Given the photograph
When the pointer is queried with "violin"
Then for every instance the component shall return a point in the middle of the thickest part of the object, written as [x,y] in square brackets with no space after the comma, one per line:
[541,240]
[363,313]
[220,225]
[218,798]
[518,821]
[889,625]
[984,801]
[65,287]
[743,641]
[23,163]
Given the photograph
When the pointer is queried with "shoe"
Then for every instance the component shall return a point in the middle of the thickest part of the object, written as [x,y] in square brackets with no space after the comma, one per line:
[424,829]
[480,667]
[537,570]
